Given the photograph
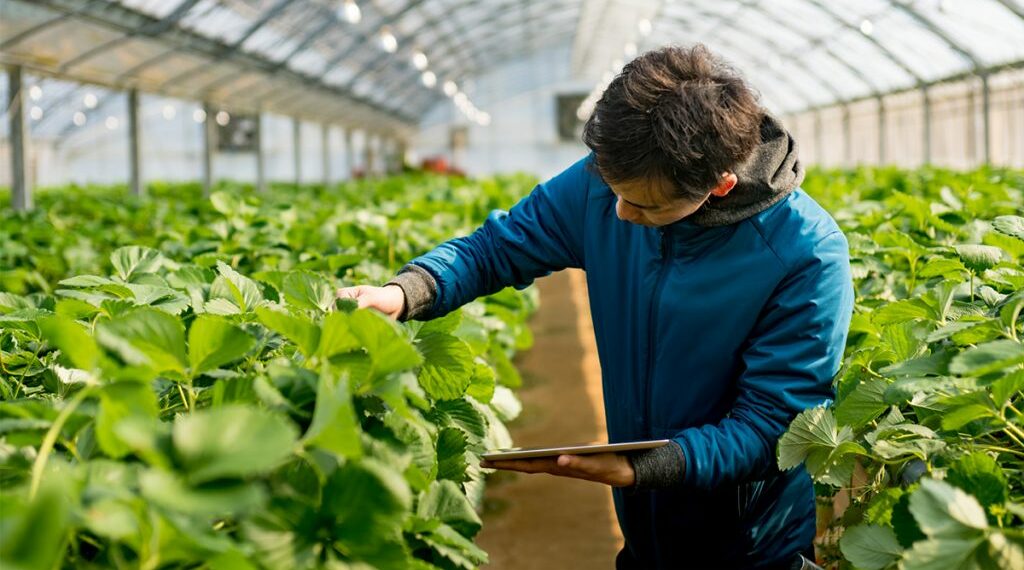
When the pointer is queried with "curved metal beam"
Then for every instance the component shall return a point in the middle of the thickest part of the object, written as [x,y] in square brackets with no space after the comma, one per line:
[954,45]
[889,54]
[361,40]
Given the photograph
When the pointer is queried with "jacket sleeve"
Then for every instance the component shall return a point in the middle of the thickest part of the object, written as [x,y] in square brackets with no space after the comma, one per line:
[789,361]
[541,234]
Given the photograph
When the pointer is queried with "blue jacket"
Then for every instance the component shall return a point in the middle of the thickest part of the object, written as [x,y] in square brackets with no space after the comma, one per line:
[714,337]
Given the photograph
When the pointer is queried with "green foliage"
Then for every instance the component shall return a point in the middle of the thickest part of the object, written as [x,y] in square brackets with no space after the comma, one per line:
[929,396]
[185,392]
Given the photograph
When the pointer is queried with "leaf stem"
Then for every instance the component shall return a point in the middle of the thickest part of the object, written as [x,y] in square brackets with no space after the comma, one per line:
[51,438]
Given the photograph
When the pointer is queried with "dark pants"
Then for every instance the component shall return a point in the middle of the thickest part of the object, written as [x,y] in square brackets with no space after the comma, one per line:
[625,561]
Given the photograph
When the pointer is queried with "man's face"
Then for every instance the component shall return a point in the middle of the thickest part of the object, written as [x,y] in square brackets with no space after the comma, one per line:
[649,203]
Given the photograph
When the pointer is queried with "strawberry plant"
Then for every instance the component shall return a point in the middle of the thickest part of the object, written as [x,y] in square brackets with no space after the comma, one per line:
[926,435]
[198,399]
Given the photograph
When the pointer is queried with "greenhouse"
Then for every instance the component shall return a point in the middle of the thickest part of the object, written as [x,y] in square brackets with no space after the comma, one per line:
[448,284]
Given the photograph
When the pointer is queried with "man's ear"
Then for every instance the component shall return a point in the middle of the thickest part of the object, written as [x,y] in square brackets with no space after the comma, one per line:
[725,184]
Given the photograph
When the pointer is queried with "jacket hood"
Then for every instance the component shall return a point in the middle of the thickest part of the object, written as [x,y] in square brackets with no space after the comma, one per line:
[770,174]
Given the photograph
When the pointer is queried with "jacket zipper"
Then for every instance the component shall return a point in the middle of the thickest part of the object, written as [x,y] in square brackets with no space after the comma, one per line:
[652,326]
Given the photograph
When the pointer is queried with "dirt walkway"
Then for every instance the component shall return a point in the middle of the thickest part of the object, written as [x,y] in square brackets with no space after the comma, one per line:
[540,521]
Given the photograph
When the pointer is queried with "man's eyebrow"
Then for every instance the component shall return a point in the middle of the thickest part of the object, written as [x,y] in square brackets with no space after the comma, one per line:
[641,206]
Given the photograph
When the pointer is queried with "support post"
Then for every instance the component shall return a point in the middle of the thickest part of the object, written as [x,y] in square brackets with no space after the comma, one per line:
[297,149]
[926,107]
[986,122]
[972,126]
[134,144]
[325,149]
[847,137]
[261,168]
[819,141]
[21,189]
[209,141]
[881,131]
[350,155]
[368,154]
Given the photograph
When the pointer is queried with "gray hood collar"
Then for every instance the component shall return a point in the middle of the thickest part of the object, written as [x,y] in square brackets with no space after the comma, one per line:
[770,174]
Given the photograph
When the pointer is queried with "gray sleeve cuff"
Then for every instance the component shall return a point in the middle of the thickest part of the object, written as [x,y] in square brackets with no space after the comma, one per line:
[420,290]
[659,467]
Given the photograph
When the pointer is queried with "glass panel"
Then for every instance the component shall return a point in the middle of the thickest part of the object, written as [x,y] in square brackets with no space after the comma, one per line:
[856,48]
[18,17]
[155,8]
[922,50]
[985,28]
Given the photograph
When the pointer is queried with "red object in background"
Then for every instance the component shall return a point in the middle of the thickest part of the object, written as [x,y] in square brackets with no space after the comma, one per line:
[439,165]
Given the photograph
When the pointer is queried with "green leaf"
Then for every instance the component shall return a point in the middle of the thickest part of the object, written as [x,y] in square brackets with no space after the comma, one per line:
[979,475]
[1007,387]
[447,368]
[482,383]
[118,401]
[451,455]
[387,346]
[213,342]
[979,257]
[989,357]
[462,414]
[943,554]
[336,335]
[335,426]
[959,416]
[1010,225]
[232,441]
[71,338]
[870,547]
[33,532]
[902,311]
[132,260]
[145,337]
[237,293]
[942,266]
[368,500]
[445,501]
[942,510]
[864,404]
[813,438]
[304,334]
[221,499]
[307,290]
[455,548]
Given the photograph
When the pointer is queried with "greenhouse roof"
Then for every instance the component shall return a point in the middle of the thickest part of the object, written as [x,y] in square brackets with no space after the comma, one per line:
[383,64]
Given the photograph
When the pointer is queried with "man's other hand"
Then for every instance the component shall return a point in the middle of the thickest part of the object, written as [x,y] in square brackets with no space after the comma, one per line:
[389,299]
[608,468]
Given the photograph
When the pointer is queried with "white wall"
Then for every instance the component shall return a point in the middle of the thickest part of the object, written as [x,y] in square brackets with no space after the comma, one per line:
[521,98]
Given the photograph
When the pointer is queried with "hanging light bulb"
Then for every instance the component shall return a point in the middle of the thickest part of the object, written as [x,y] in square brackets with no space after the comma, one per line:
[199,115]
[429,79]
[388,41]
[111,122]
[461,99]
[484,119]
[169,112]
[450,88]
[867,28]
[78,118]
[223,118]
[35,92]
[36,112]
[350,11]
[90,100]
[419,60]
[644,27]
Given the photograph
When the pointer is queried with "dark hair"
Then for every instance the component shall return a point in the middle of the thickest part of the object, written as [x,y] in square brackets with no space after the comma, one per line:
[677,114]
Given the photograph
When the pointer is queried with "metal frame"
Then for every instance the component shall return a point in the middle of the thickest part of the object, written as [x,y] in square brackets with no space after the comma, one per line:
[21,189]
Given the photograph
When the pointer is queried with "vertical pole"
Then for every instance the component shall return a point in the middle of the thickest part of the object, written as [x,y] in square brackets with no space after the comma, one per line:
[297,149]
[927,130]
[325,149]
[972,127]
[819,141]
[134,143]
[847,136]
[261,167]
[367,154]
[986,123]
[401,151]
[209,141]
[350,155]
[21,189]
[881,130]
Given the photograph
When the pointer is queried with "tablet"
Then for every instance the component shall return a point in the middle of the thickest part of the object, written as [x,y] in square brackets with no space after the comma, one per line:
[582,449]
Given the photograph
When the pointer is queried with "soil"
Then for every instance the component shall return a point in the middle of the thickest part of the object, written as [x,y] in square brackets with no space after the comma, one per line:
[541,521]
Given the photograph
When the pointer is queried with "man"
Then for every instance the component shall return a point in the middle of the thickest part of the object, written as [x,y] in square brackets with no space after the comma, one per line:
[720,294]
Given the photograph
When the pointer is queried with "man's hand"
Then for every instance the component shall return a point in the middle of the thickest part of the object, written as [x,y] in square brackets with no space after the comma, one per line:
[608,468]
[389,299]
